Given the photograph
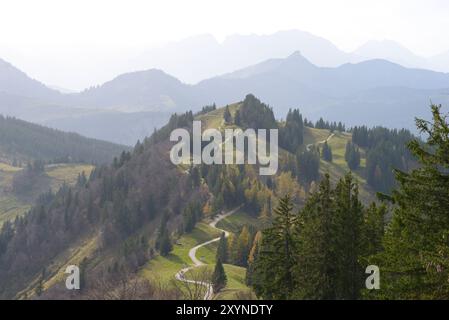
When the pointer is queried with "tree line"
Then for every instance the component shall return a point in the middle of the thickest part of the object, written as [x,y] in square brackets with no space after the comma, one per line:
[321,250]
[23,142]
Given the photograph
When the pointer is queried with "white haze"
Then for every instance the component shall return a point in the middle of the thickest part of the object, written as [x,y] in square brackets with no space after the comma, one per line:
[76,44]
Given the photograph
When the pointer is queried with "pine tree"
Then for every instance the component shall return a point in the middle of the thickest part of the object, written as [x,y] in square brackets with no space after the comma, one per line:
[277,257]
[316,268]
[374,229]
[252,258]
[348,240]
[326,152]
[352,156]
[232,248]
[415,261]
[237,118]
[219,278]
[291,136]
[195,176]
[265,216]
[222,250]
[227,115]
[165,246]
[163,242]
[331,233]
[308,166]
[243,247]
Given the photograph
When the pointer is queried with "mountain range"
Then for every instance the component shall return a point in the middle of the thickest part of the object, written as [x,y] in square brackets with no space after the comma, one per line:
[201,57]
[130,106]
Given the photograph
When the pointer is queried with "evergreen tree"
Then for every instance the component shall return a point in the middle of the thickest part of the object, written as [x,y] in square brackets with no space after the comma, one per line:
[348,240]
[277,257]
[227,115]
[352,156]
[163,242]
[415,261]
[374,229]
[219,278]
[237,118]
[243,247]
[326,153]
[195,176]
[265,216]
[165,246]
[330,229]
[222,250]
[253,258]
[291,135]
[192,214]
[255,114]
[232,247]
[308,166]
[316,269]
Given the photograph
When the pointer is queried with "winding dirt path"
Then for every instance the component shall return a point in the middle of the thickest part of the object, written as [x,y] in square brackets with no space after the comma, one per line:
[320,142]
[180,275]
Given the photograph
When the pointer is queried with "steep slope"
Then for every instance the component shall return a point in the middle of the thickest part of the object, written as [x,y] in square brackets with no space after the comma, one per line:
[23,141]
[19,189]
[114,215]
[114,225]
[15,82]
[24,149]
[123,110]
[138,91]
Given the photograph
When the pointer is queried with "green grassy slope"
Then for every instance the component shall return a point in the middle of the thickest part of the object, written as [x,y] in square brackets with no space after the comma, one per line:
[12,205]
[163,269]
[337,169]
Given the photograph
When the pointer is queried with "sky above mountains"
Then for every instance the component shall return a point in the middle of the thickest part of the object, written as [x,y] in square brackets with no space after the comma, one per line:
[76,44]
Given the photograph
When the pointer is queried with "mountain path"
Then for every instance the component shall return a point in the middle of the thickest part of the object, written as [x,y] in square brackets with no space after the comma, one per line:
[320,142]
[180,275]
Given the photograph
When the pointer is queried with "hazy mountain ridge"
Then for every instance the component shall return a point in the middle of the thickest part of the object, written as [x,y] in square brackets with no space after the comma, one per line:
[185,61]
[201,57]
[14,81]
[131,105]
[352,93]
[24,141]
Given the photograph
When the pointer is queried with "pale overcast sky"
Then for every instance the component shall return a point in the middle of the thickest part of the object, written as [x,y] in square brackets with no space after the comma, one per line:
[81,31]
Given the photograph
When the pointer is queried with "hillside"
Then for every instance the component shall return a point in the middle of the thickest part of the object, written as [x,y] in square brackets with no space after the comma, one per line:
[100,220]
[22,141]
[14,81]
[136,220]
[312,136]
[150,90]
[15,202]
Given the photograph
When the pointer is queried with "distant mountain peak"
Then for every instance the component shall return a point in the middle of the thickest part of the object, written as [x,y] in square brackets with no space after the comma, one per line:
[296,54]
[390,50]
[296,59]
[16,82]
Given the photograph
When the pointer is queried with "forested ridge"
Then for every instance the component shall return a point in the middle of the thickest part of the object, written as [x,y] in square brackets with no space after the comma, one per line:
[311,236]
[21,141]
[321,250]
